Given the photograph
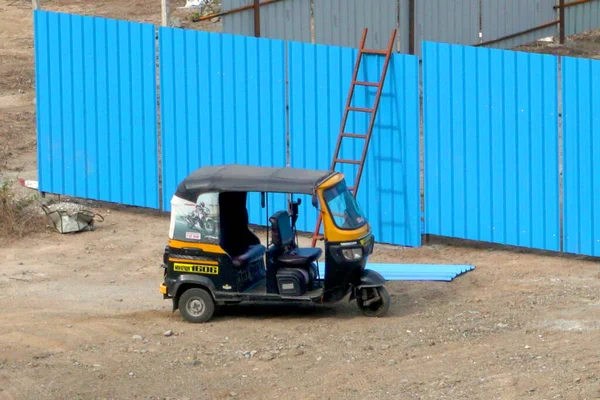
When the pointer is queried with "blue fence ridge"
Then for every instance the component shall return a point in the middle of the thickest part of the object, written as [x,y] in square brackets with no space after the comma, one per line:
[581,149]
[96,108]
[223,101]
[491,145]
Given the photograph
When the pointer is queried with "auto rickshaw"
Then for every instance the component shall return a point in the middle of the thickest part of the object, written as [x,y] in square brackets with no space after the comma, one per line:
[228,265]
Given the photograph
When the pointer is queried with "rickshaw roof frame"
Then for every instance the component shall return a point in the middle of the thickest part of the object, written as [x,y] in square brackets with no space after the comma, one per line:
[246,178]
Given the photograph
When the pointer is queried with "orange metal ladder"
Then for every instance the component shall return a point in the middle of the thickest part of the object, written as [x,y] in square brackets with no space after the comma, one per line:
[373,111]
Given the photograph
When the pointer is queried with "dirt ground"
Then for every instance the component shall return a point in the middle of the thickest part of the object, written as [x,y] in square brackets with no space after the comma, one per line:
[81,316]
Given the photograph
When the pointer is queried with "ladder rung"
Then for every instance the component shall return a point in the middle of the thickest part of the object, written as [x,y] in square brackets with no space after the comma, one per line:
[354,135]
[367,110]
[342,161]
[383,52]
[361,83]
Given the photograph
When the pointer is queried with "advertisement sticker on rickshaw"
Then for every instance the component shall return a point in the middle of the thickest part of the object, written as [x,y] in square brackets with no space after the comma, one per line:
[196,221]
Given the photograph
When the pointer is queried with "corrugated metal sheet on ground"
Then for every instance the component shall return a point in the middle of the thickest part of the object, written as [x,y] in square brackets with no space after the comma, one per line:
[491,145]
[341,22]
[503,18]
[581,144]
[285,20]
[96,108]
[222,101]
[319,79]
[582,17]
[415,272]
[448,21]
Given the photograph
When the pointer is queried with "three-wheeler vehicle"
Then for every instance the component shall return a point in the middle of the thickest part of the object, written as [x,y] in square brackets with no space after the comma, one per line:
[228,265]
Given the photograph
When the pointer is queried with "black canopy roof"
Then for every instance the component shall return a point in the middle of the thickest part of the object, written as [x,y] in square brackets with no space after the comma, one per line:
[245,178]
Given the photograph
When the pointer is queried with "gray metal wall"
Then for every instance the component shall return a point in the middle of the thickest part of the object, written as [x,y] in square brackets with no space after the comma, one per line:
[448,21]
[340,22]
[286,20]
[503,18]
[582,17]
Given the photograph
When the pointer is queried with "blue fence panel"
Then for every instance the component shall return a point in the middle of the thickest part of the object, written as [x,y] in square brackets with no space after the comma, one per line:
[491,145]
[96,108]
[319,80]
[222,101]
[581,150]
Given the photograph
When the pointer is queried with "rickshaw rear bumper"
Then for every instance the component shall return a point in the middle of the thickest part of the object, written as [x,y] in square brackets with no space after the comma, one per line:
[163,289]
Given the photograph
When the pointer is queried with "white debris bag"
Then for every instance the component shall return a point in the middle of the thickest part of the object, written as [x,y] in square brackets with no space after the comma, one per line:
[78,221]
[195,3]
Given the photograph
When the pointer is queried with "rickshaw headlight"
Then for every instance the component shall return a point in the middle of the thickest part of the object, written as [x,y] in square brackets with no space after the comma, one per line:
[352,254]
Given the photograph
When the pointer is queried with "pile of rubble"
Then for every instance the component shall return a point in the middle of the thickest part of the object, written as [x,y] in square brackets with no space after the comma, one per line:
[204,7]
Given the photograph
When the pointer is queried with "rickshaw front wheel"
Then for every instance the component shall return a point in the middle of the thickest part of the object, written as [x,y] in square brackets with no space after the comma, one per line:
[196,305]
[376,308]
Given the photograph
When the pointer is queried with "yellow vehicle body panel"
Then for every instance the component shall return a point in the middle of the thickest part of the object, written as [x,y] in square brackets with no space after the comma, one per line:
[207,247]
[331,232]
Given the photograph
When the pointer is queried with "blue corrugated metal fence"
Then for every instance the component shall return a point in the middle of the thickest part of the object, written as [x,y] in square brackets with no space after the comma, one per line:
[389,191]
[491,156]
[222,101]
[96,108]
[491,145]
[581,143]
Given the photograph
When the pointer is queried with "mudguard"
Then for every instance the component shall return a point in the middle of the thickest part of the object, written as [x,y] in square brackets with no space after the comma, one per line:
[368,278]
[174,285]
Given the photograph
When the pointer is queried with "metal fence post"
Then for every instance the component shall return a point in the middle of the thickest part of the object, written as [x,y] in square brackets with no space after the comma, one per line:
[257,18]
[561,13]
[411,26]
[164,9]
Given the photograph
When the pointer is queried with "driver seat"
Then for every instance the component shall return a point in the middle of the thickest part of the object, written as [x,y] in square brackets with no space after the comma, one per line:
[286,252]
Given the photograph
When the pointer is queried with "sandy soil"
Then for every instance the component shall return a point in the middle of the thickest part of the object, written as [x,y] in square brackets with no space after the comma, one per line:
[81,316]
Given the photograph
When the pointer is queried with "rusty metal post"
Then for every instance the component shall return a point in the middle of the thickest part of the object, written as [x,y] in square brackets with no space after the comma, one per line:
[561,13]
[411,26]
[257,18]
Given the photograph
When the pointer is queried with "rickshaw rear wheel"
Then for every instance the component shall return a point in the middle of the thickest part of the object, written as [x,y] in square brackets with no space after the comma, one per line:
[196,305]
[377,308]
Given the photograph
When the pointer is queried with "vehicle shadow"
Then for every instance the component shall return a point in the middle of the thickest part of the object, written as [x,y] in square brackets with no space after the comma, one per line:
[401,306]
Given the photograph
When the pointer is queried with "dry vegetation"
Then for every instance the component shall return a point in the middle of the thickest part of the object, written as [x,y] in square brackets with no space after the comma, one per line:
[19,216]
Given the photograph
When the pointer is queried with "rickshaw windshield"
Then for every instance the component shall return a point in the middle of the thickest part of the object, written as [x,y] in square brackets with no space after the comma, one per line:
[344,209]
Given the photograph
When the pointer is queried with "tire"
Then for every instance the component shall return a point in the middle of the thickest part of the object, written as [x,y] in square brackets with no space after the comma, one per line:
[196,305]
[209,226]
[380,307]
